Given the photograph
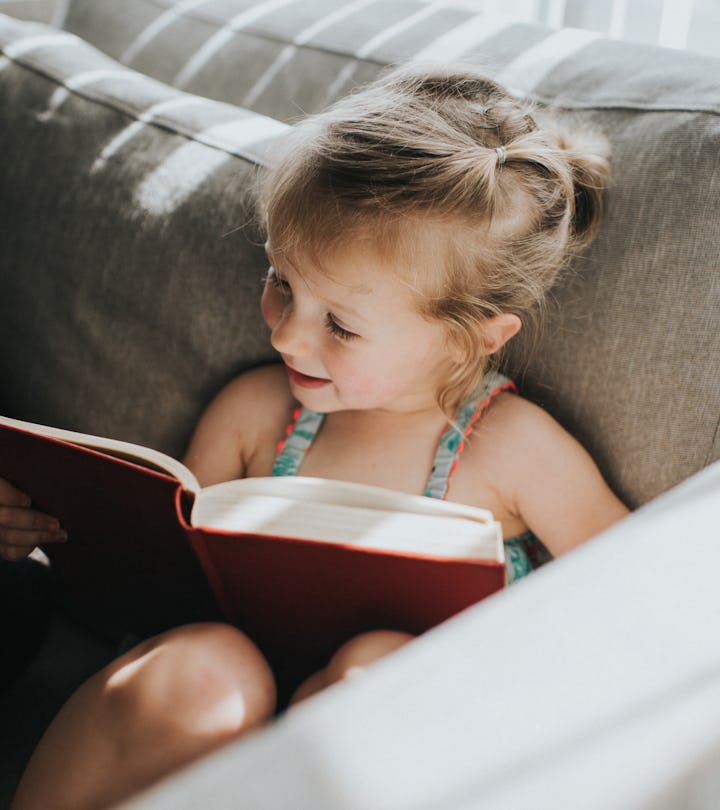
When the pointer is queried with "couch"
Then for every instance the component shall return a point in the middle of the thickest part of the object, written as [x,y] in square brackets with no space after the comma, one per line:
[130,265]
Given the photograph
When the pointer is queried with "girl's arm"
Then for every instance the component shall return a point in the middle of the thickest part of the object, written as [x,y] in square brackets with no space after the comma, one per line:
[555,486]
[244,421]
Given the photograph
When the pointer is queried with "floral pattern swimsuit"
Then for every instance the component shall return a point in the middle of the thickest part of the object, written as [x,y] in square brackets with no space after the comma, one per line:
[523,553]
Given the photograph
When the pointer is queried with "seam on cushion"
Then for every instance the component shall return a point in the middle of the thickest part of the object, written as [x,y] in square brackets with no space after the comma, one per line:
[135,113]
[267,36]
[564,103]
[714,450]
[567,103]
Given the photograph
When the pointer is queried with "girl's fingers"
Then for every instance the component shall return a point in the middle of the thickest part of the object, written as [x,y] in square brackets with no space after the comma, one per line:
[12,517]
[15,544]
[11,496]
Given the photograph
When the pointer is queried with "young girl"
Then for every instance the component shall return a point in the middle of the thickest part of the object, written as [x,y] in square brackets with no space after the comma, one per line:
[411,230]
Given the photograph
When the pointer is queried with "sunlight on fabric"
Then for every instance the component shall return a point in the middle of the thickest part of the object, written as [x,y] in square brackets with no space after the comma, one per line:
[530,68]
[177,177]
[675,23]
[188,167]
[223,36]
[555,15]
[82,80]
[456,42]
[137,126]
[156,27]
[61,9]
[618,14]
[15,49]
[300,39]
[375,42]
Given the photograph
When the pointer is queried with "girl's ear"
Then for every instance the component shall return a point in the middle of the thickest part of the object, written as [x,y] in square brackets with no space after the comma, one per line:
[498,329]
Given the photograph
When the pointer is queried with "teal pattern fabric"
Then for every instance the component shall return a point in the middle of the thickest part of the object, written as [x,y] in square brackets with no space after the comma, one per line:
[523,553]
[452,441]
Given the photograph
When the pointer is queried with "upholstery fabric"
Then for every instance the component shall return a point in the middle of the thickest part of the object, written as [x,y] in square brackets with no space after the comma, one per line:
[130,279]
[47,11]
[628,357]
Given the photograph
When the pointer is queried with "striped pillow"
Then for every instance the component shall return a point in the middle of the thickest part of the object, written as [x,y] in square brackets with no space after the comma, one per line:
[130,289]
[623,363]
[614,364]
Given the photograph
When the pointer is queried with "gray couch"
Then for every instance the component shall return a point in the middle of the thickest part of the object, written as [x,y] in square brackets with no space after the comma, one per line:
[130,265]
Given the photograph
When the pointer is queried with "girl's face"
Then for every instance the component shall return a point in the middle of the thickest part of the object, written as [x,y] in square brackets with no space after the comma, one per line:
[350,336]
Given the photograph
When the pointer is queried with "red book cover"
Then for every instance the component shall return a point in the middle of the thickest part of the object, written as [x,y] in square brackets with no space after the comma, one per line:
[127,565]
[299,601]
[134,563]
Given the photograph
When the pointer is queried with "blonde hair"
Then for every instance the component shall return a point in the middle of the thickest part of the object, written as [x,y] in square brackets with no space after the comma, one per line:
[452,152]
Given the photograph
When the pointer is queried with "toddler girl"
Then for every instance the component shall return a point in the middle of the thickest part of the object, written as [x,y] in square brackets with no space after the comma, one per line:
[411,230]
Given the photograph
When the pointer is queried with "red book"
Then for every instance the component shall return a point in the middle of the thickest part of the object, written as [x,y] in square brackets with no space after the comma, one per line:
[299,564]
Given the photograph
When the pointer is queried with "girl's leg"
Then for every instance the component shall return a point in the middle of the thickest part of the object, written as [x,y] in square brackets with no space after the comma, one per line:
[164,703]
[352,658]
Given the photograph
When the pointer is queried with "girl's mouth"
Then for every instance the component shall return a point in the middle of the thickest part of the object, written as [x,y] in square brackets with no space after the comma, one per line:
[305,380]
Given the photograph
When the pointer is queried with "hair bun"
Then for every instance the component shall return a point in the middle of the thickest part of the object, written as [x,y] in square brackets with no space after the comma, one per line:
[587,157]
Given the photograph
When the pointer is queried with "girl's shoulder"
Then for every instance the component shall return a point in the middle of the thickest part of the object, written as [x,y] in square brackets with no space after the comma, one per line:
[246,418]
[519,436]
[258,401]
[540,473]
[261,385]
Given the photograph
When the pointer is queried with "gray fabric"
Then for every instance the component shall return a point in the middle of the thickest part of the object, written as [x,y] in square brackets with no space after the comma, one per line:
[130,289]
[628,359]
[48,11]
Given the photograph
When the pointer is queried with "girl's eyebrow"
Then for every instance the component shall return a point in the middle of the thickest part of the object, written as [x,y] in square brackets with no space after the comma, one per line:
[332,306]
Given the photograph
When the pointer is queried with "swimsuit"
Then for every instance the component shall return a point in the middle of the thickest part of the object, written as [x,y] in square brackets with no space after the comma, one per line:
[523,553]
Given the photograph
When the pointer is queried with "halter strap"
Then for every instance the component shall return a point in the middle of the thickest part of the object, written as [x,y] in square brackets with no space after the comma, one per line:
[452,442]
[301,432]
[299,435]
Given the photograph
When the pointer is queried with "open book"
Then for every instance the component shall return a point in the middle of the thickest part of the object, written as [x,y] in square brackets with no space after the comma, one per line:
[299,564]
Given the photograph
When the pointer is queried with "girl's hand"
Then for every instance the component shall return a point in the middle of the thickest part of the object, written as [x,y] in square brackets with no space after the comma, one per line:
[23,528]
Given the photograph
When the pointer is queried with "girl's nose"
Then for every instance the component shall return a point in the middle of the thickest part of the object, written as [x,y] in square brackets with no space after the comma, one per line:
[291,335]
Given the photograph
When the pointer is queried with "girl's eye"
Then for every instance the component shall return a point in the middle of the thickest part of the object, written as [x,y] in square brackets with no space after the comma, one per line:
[335,329]
[278,283]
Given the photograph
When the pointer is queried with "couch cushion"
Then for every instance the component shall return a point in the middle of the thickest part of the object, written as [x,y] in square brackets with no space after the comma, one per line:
[130,283]
[628,361]
[49,11]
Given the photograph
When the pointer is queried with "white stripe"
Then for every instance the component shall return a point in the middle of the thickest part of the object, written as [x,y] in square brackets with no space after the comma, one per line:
[262,83]
[218,40]
[60,13]
[184,171]
[398,28]
[177,177]
[555,16]
[675,23]
[527,71]
[157,26]
[22,46]
[88,77]
[375,42]
[459,40]
[300,39]
[617,18]
[127,134]
[241,132]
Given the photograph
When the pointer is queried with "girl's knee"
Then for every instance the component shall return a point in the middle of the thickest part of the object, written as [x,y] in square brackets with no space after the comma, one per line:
[204,679]
[362,650]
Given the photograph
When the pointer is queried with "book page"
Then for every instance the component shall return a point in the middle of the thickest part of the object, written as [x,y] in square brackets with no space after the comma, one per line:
[135,453]
[438,533]
[324,490]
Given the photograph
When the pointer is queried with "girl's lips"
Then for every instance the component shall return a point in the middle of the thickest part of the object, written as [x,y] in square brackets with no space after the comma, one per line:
[304,380]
